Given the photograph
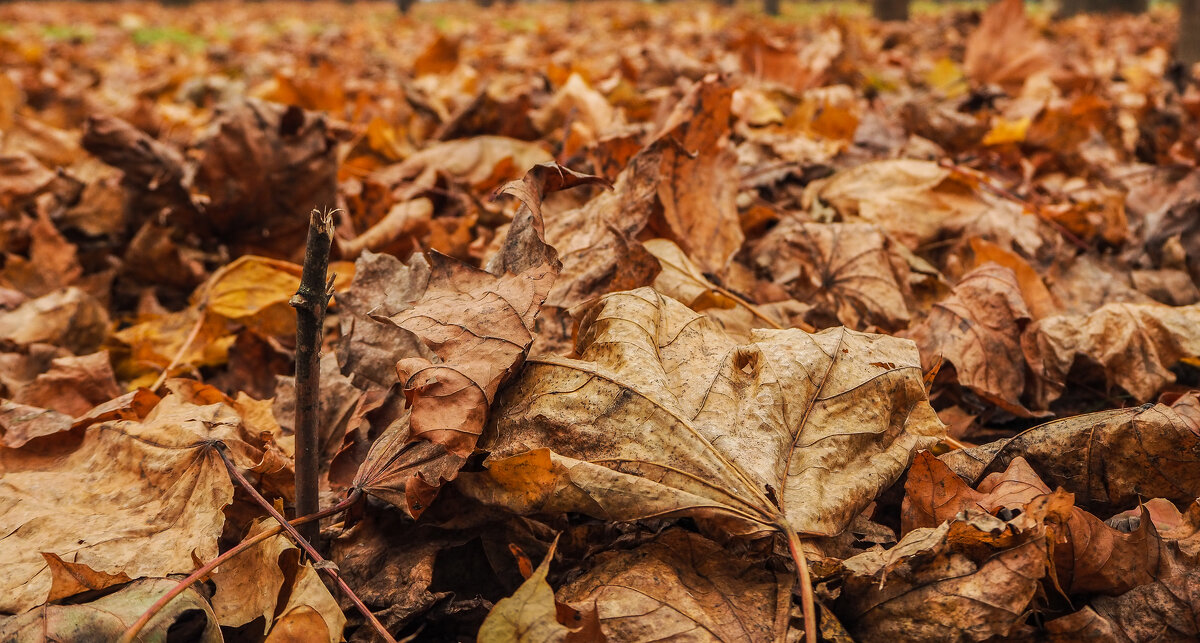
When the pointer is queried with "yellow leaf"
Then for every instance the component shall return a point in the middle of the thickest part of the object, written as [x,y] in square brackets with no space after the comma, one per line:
[1006,131]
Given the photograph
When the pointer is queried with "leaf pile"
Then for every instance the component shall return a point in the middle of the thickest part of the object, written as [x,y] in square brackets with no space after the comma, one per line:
[636,308]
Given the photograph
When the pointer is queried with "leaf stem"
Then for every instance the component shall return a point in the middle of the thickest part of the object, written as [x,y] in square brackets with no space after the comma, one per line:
[807,603]
[318,562]
[131,633]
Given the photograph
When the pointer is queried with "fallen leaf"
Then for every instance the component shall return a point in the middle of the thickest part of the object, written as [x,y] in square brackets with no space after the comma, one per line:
[848,272]
[1089,556]
[1109,459]
[977,330]
[21,423]
[69,579]
[683,585]
[260,169]
[72,385]
[69,318]
[188,615]
[937,590]
[697,187]
[918,201]
[1005,49]
[650,404]
[450,398]
[1136,344]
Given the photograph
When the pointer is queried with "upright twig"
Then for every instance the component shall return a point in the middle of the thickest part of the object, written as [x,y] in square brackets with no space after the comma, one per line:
[310,302]
[319,563]
[131,634]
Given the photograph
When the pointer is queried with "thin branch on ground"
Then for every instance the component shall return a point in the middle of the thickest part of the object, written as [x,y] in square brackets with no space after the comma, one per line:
[319,563]
[131,634]
[310,302]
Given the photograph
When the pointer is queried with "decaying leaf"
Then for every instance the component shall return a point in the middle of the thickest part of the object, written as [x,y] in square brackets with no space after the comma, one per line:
[69,579]
[977,329]
[918,201]
[1136,344]
[697,184]
[955,582]
[187,616]
[139,498]
[683,585]
[667,416]
[1005,49]
[1089,556]
[450,397]
[1109,459]
[849,272]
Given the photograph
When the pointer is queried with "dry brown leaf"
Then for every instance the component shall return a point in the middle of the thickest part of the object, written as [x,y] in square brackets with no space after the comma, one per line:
[1084,625]
[1005,49]
[450,397]
[977,330]
[1167,609]
[697,179]
[141,498]
[20,423]
[940,592]
[187,616]
[400,230]
[21,176]
[668,416]
[1136,344]
[52,263]
[598,247]
[684,585]
[72,385]
[69,318]
[1109,459]
[310,613]
[152,172]
[69,579]
[1037,297]
[482,161]
[248,585]
[918,201]
[1089,555]
[261,167]
[120,502]
[849,272]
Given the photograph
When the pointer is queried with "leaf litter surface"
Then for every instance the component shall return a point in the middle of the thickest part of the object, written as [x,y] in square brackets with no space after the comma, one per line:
[650,321]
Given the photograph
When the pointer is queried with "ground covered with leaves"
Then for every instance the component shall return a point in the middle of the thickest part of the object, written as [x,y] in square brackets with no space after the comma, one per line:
[636,307]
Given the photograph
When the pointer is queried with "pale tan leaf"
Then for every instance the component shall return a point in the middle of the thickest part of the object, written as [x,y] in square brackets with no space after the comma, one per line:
[105,619]
[849,272]
[1108,459]
[140,498]
[663,414]
[248,585]
[684,586]
[917,201]
[1137,344]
